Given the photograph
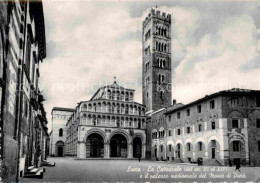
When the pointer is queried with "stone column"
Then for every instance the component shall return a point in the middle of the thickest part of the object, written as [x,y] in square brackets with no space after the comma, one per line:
[106,150]
[81,153]
[143,150]
[246,140]
[223,140]
[130,150]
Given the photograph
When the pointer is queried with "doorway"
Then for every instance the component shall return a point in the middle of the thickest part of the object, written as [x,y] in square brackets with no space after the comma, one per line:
[60,151]
[118,146]
[213,153]
[137,147]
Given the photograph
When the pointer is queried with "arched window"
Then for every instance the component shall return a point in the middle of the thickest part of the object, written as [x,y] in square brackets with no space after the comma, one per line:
[61,132]
[161,94]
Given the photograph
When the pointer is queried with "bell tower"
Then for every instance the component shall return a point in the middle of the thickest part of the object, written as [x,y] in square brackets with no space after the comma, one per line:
[156,73]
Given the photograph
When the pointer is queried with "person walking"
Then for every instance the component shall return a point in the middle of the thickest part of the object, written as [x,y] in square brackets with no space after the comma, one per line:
[139,157]
[238,165]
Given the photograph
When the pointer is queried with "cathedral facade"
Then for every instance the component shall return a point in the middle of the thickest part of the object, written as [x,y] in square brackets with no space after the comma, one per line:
[109,125]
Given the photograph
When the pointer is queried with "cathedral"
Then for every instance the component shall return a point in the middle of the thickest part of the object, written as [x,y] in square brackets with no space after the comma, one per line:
[219,129]
[109,125]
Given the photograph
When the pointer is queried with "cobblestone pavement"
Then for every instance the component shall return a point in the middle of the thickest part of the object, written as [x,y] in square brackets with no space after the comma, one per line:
[71,170]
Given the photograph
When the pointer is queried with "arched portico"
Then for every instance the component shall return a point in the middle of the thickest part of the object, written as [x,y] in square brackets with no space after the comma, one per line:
[118,146]
[94,146]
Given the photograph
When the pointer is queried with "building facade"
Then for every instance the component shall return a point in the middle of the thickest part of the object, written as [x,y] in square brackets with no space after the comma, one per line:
[58,133]
[23,122]
[109,125]
[220,128]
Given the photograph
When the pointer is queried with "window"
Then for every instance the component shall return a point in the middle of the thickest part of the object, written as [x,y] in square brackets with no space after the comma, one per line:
[213,126]
[258,101]
[234,101]
[188,112]
[236,146]
[161,148]
[161,94]
[170,148]
[169,118]
[178,115]
[200,127]
[188,129]
[147,35]
[61,132]
[258,146]
[200,146]
[147,95]
[188,146]
[179,131]
[212,104]
[199,108]
[235,123]
[139,125]
[257,123]
[170,133]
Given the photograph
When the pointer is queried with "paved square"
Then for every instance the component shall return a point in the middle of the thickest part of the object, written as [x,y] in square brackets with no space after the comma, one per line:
[71,170]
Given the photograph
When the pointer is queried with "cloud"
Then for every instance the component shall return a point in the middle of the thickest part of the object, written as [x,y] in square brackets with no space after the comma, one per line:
[215,63]
[86,49]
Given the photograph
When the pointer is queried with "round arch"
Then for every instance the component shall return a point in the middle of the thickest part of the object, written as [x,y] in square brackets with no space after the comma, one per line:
[125,134]
[97,131]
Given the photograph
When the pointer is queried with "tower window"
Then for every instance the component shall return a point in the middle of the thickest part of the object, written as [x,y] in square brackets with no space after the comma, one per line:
[147,95]
[170,148]
[188,129]
[169,133]
[60,132]
[179,131]
[213,125]
[200,127]
[147,35]
[235,123]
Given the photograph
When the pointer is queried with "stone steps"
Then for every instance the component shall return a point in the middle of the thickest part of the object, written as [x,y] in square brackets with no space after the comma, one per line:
[33,172]
[47,163]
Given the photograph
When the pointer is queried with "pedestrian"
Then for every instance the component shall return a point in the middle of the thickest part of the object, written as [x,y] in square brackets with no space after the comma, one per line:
[238,165]
[230,162]
[139,157]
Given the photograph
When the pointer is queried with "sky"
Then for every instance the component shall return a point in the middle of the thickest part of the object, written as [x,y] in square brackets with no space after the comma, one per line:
[215,46]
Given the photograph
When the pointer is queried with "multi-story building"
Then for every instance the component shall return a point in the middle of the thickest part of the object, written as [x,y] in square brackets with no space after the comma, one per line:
[110,124]
[22,48]
[219,128]
[58,133]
